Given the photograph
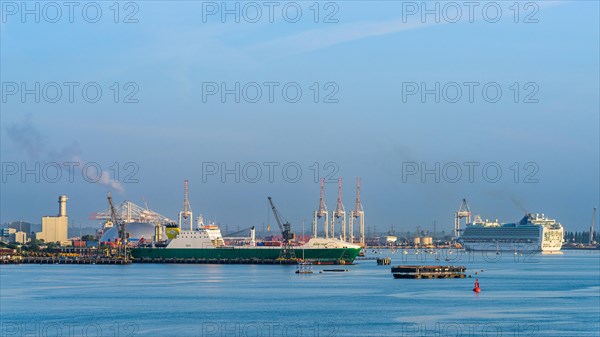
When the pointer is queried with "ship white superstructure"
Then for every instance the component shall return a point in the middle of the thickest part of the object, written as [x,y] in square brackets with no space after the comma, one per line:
[532,233]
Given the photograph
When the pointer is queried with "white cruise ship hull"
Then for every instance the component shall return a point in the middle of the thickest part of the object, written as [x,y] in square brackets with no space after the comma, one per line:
[519,247]
[527,236]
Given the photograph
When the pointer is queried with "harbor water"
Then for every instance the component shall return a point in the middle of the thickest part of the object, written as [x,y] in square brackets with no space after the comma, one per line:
[531,295]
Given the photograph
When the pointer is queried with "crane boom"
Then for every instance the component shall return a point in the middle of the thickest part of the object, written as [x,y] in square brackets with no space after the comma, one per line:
[287,252]
[113,212]
[277,217]
[122,225]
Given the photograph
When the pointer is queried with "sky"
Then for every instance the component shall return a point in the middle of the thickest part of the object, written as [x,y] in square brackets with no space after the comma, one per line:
[495,103]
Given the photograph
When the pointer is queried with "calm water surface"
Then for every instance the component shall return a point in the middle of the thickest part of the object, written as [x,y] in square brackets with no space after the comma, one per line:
[541,295]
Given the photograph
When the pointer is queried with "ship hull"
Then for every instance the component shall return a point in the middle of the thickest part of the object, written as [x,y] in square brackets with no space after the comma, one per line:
[509,246]
[319,256]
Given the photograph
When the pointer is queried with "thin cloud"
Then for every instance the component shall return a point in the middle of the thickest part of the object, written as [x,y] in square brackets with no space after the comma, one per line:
[316,39]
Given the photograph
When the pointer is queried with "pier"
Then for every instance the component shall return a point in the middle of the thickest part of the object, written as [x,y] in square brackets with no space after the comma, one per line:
[63,260]
[417,272]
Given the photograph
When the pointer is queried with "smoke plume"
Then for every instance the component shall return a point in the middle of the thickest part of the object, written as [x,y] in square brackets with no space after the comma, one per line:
[27,137]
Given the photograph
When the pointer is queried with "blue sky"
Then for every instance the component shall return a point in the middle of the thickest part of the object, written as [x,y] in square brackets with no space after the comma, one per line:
[370,132]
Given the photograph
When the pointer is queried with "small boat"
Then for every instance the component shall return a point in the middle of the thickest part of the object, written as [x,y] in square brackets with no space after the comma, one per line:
[304,268]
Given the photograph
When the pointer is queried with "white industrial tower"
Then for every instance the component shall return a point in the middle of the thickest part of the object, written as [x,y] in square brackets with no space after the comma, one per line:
[321,212]
[463,212]
[339,215]
[185,216]
[358,212]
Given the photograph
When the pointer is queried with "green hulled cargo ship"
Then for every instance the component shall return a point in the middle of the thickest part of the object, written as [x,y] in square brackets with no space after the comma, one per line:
[206,243]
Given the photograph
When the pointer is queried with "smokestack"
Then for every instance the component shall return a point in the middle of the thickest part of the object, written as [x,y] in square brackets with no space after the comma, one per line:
[62,202]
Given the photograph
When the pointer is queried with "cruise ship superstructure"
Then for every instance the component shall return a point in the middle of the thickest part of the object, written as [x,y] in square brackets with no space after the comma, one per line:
[535,232]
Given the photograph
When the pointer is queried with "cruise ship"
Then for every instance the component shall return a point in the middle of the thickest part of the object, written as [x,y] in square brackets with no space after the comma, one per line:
[532,233]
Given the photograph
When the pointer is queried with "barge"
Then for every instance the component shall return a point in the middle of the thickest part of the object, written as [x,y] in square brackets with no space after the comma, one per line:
[417,272]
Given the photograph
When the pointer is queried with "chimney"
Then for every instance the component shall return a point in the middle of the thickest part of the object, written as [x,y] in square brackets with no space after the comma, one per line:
[62,202]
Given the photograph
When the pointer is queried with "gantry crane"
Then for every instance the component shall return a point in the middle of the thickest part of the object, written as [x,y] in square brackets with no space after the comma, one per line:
[358,212]
[339,214]
[463,212]
[287,252]
[321,212]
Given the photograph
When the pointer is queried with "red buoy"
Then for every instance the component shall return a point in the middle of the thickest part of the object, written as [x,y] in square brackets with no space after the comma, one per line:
[476,288]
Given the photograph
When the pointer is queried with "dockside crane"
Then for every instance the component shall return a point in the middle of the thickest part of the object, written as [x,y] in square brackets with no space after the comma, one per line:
[287,252]
[463,212]
[339,214]
[359,213]
[122,226]
[320,213]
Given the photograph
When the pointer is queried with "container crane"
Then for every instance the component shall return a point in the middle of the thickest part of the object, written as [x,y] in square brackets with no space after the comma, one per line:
[320,213]
[463,212]
[287,252]
[357,213]
[339,214]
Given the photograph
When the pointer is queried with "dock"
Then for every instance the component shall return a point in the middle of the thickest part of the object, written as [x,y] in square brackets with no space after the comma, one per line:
[62,260]
[418,272]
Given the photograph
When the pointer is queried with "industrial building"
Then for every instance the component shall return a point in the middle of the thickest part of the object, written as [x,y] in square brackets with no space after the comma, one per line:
[55,228]
[11,235]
